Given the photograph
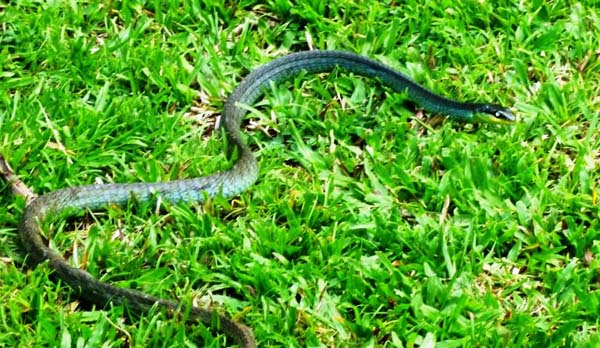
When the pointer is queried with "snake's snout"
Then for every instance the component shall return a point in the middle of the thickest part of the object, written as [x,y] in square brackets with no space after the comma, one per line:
[505,115]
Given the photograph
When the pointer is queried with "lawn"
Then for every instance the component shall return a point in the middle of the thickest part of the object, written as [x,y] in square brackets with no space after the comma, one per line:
[372,223]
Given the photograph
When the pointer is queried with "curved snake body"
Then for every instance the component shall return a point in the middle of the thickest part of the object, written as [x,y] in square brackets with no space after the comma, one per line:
[227,183]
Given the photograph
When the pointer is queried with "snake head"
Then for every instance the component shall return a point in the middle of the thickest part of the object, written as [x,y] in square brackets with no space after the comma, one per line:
[490,113]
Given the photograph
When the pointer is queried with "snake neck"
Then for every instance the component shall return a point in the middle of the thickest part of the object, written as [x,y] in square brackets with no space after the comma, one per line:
[313,62]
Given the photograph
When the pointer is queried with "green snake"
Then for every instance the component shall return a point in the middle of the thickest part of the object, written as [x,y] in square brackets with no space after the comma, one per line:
[228,183]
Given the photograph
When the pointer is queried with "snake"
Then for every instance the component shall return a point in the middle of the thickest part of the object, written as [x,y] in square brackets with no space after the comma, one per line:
[227,183]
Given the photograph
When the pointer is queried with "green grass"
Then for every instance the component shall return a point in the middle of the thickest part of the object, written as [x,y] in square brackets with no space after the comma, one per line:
[368,227]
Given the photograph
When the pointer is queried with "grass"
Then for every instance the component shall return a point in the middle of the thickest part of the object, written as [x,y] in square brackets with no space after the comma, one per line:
[369,226]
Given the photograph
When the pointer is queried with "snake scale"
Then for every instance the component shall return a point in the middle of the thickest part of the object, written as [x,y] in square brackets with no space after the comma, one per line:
[227,183]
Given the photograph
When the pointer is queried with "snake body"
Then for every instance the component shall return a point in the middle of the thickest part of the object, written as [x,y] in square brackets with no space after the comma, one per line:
[228,183]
